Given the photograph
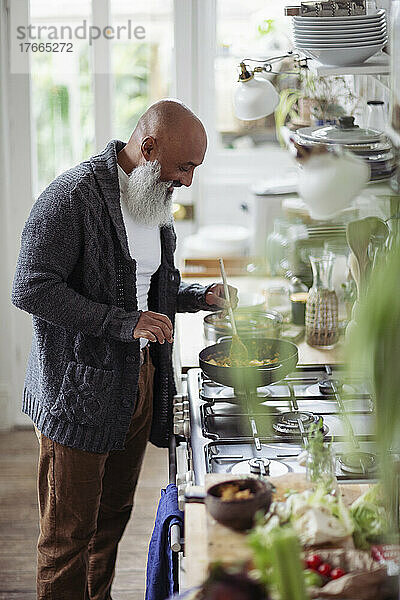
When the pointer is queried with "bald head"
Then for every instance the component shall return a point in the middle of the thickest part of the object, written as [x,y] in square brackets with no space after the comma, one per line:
[167,118]
[170,133]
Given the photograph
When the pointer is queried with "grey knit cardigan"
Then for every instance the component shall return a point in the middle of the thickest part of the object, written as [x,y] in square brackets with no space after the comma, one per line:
[76,277]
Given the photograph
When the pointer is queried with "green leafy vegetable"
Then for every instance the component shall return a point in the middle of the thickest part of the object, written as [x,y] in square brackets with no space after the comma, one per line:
[370,518]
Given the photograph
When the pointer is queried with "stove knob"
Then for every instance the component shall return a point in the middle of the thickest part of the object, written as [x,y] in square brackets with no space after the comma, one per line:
[181,495]
[186,428]
[179,427]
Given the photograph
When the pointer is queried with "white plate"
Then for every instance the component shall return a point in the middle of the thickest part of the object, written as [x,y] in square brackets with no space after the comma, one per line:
[353,19]
[334,30]
[339,42]
[333,38]
[336,22]
[342,57]
[350,45]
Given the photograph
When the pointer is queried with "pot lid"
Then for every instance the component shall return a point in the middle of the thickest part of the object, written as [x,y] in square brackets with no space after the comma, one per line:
[346,132]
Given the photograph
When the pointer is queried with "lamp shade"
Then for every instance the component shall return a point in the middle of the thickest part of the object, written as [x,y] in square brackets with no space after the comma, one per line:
[255,99]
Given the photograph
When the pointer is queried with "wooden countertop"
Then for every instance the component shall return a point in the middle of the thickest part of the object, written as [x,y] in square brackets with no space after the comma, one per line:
[190,332]
[207,541]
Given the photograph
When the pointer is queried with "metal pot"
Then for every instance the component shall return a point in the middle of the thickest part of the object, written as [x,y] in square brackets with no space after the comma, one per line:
[370,145]
[249,323]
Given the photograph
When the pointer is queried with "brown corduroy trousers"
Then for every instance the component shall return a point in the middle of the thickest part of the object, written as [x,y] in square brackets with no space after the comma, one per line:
[85,501]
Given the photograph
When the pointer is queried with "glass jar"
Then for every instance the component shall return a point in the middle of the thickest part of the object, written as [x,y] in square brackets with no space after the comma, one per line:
[376,115]
[298,293]
[277,247]
[321,468]
[322,328]
[277,298]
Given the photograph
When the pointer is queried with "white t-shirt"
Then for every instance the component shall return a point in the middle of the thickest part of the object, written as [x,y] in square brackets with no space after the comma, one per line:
[144,246]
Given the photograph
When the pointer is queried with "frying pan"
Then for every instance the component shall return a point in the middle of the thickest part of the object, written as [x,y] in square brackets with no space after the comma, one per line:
[249,378]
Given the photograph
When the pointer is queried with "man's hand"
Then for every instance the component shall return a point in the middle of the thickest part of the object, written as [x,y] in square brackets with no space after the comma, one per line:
[154,327]
[216,296]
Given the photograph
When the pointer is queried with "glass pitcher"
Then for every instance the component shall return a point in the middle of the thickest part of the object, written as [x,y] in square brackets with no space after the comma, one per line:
[322,328]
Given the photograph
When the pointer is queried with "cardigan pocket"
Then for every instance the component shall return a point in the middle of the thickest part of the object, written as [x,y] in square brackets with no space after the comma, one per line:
[85,395]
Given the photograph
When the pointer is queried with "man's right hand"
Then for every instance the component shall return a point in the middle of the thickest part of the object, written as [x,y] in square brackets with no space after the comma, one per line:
[154,327]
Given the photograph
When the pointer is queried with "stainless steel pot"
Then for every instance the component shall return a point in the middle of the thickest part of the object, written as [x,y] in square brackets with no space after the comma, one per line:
[368,144]
[249,323]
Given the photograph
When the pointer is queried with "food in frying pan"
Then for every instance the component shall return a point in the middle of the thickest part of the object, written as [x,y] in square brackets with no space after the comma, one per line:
[225,361]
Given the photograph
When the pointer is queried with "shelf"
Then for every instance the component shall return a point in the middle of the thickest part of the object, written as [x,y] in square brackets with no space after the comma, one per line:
[376,65]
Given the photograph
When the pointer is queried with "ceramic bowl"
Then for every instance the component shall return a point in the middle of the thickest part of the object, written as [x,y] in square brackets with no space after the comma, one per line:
[342,57]
[239,514]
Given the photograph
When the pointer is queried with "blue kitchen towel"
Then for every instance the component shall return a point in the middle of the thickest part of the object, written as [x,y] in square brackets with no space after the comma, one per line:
[161,565]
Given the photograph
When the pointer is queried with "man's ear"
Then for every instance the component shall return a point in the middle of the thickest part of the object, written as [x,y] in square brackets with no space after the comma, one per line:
[148,148]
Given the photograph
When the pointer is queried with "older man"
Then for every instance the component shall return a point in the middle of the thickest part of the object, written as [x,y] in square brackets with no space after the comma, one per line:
[96,271]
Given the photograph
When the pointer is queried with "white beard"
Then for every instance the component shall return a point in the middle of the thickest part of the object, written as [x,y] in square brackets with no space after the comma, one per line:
[148,199]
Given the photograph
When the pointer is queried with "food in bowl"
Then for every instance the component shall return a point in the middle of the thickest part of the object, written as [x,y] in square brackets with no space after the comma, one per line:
[232,491]
[234,503]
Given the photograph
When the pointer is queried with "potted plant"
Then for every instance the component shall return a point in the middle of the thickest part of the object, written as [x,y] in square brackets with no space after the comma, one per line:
[314,100]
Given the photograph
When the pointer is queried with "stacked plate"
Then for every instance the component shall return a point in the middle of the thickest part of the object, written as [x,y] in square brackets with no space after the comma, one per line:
[340,41]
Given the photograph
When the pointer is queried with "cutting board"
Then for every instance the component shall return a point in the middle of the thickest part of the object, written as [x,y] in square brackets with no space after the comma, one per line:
[228,546]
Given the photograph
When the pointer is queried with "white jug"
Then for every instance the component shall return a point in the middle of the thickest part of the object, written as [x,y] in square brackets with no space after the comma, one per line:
[328,182]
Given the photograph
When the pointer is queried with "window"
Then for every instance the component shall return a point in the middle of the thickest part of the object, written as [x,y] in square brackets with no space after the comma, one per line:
[141,69]
[67,111]
[251,29]
[61,94]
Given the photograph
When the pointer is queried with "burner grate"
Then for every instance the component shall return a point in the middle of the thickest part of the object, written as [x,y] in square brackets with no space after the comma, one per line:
[288,423]
[358,463]
[260,466]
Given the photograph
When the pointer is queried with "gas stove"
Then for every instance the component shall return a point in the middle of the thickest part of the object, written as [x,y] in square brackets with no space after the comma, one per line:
[265,432]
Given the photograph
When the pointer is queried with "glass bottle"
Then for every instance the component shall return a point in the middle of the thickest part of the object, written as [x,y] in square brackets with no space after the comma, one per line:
[322,330]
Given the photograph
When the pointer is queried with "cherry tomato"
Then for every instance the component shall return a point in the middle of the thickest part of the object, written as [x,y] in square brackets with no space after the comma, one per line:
[313,561]
[325,569]
[337,573]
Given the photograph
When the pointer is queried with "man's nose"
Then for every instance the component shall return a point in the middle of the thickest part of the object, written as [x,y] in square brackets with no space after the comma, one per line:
[186,178]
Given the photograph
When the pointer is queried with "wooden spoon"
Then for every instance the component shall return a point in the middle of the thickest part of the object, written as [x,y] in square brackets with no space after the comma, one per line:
[238,353]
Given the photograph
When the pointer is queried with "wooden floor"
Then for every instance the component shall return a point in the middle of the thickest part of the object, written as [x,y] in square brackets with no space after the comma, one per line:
[19,520]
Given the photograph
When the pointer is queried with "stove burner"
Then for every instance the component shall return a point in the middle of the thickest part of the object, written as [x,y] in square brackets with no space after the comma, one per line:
[273,468]
[288,423]
[218,393]
[325,386]
[259,465]
[358,463]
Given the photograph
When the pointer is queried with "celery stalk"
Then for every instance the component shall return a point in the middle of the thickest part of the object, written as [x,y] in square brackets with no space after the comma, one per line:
[287,568]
